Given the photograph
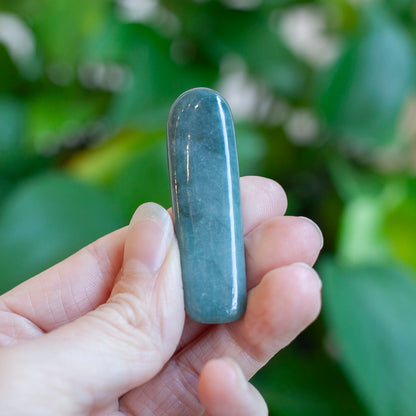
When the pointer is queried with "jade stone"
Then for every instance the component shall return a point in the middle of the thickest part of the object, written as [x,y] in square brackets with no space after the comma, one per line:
[205,190]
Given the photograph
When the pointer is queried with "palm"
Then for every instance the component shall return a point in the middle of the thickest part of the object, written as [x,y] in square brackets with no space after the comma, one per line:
[281,302]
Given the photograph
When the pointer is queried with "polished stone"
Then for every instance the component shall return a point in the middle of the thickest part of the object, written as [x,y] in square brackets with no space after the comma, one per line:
[204,180]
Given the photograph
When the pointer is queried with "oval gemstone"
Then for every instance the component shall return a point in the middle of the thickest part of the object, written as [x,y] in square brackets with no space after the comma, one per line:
[204,182]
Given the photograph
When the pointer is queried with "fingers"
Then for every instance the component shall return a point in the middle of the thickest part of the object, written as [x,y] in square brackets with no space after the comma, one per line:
[69,289]
[80,283]
[279,242]
[285,301]
[224,391]
[127,340]
[261,199]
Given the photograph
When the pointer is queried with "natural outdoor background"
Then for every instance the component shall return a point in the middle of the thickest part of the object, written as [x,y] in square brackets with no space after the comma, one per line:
[324,99]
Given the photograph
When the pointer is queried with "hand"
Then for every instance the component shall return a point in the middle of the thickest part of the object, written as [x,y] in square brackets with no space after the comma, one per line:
[104,332]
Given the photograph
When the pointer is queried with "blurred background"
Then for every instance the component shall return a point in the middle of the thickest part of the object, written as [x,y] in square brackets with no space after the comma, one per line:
[324,100]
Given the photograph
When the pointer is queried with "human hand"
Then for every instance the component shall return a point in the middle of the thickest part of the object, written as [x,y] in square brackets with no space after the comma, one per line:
[104,332]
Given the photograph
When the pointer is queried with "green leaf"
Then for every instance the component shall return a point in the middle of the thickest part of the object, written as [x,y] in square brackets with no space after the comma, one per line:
[144,178]
[5,187]
[361,238]
[363,97]
[377,221]
[62,28]
[11,130]
[371,313]
[249,35]
[10,78]
[58,114]
[16,160]
[350,181]
[252,148]
[116,41]
[403,8]
[45,220]
[296,383]
[100,164]
[217,31]
[156,82]
[400,229]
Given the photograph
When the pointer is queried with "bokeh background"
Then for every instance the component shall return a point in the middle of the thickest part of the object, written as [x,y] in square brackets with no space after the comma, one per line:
[324,99]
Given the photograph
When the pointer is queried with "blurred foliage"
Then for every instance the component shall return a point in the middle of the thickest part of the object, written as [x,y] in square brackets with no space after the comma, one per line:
[323,95]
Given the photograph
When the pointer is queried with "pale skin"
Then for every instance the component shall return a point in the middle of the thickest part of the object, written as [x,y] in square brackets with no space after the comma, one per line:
[104,332]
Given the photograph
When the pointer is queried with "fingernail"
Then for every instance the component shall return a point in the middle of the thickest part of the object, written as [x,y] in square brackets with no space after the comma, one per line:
[317,229]
[311,269]
[154,236]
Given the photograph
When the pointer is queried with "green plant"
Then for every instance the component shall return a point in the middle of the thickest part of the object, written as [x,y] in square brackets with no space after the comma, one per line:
[323,94]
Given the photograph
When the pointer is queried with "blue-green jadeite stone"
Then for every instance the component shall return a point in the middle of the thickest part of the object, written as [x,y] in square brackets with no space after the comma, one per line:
[204,180]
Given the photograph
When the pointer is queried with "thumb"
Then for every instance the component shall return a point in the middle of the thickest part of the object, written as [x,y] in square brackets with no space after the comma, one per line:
[127,340]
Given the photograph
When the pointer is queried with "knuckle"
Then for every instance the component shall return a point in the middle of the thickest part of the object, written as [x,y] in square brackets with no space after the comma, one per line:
[125,318]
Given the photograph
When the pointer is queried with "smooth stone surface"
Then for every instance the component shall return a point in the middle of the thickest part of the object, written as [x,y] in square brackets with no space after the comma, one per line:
[205,189]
